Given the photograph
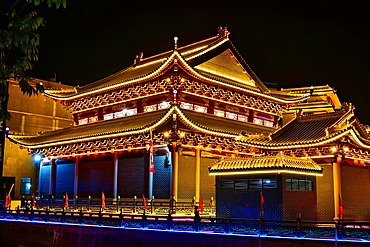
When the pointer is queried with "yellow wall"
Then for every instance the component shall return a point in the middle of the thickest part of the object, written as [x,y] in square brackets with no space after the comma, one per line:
[30,115]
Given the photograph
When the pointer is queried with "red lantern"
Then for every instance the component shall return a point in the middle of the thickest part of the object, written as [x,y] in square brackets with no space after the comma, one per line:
[362,162]
[355,162]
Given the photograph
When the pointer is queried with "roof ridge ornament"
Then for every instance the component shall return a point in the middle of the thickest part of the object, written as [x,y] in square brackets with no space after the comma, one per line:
[138,58]
[175,40]
[222,31]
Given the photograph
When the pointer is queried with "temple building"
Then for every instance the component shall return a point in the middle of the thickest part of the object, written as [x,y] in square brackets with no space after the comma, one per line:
[196,121]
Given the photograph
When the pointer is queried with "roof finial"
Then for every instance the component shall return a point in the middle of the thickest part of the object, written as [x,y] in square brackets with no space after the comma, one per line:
[175,39]
[222,31]
[138,58]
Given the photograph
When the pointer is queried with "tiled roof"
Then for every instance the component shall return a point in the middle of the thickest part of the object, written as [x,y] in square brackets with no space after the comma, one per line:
[226,65]
[311,130]
[303,130]
[225,125]
[266,164]
[118,126]
[223,64]
[139,124]
[145,66]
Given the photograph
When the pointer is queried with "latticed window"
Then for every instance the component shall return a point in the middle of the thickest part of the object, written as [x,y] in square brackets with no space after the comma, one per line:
[232,115]
[186,106]
[299,184]
[268,123]
[199,108]
[249,184]
[131,112]
[118,114]
[93,119]
[164,105]
[83,121]
[25,188]
[258,121]
[243,118]
[108,116]
[150,108]
[219,113]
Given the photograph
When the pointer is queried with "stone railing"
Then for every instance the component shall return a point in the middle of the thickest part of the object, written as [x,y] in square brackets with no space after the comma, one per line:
[197,222]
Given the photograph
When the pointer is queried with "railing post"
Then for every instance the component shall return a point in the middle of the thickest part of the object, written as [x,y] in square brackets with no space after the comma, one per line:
[46,215]
[4,212]
[227,225]
[152,205]
[88,203]
[63,215]
[173,205]
[76,201]
[135,205]
[52,201]
[100,217]
[81,217]
[339,229]
[261,225]
[298,226]
[144,220]
[122,223]
[212,206]
[18,213]
[31,216]
[169,221]
[118,202]
[196,219]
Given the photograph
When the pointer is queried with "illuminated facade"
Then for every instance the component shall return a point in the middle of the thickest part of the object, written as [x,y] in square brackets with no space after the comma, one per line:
[160,126]
[30,116]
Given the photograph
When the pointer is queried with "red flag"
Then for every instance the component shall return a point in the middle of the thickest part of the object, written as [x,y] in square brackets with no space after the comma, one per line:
[262,201]
[144,202]
[151,154]
[102,200]
[341,209]
[201,208]
[7,200]
[66,201]
[33,201]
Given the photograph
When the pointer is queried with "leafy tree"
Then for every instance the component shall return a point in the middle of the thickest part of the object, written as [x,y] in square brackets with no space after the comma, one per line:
[19,43]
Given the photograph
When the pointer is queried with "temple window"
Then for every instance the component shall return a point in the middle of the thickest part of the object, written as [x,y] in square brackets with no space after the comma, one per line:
[298,184]
[150,108]
[219,113]
[83,121]
[123,113]
[93,119]
[243,118]
[258,121]
[232,115]
[118,114]
[131,112]
[199,108]
[268,123]
[265,122]
[25,188]
[108,116]
[164,105]
[186,106]
[249,184]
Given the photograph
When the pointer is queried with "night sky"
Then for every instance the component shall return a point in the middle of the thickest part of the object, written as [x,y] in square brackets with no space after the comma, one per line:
[302,43]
